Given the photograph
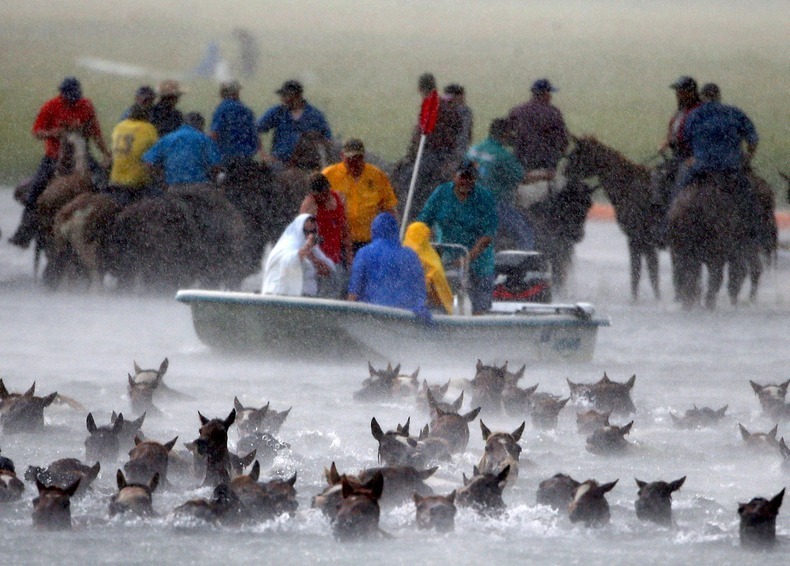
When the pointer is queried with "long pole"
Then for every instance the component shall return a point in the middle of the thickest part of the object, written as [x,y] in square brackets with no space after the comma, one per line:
[412,184]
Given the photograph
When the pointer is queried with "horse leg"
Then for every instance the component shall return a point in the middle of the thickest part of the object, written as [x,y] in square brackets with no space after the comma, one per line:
[651,259]
[736,272]
[755,272]
[686,273]
[636,268]
[715,280]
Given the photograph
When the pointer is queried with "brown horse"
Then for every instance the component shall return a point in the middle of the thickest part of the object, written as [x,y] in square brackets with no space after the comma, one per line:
[706,229]
[628,186]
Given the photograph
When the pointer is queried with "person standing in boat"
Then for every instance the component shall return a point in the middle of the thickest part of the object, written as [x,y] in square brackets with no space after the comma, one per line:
[386,273]
[366,191]
[296,261]
[465,212]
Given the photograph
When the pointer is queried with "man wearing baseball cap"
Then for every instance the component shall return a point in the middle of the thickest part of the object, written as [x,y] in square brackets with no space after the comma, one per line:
[366,190]
[165,117]
[466,213]
[144,98]
[69,111]
[289,120]
[539,128]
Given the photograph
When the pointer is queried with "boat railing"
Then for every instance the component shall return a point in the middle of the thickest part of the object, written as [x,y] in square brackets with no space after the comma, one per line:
[455,260]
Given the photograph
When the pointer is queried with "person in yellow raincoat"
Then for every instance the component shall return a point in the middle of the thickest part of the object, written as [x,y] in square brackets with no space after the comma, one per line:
[418,238]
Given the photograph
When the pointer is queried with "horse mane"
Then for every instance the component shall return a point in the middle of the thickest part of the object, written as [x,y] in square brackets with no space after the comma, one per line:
[611,155]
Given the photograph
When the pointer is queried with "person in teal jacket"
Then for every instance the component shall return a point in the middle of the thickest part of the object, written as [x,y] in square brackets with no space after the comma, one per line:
[500,172]
[465,213]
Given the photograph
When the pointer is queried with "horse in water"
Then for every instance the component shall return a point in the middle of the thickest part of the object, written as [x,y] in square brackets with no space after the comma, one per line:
[558,223]
[628,186]
[707,229]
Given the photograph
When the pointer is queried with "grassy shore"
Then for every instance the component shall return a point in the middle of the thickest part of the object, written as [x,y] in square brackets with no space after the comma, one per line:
[613,62]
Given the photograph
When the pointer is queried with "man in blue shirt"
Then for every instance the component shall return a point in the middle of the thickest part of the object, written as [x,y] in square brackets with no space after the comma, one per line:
[500,172]
[289,120]
[188,156]
[386,273]
[233,127]
[716,134]
[466,213]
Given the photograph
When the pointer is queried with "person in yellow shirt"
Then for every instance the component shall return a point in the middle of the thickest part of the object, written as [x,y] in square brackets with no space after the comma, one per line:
[131,138]
[418,238]
[366,190]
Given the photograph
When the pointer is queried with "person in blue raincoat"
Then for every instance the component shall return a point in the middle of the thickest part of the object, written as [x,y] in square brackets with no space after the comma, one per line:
[386,273]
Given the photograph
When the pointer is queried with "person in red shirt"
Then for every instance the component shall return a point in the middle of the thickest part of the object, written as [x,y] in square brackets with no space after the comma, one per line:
[68,111]
[330,214]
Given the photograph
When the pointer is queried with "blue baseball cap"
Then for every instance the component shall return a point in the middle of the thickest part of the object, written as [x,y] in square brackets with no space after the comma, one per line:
[542,85]
[71,89]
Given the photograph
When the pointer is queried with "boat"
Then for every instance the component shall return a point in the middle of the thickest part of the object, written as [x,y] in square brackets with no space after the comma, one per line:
[302,327]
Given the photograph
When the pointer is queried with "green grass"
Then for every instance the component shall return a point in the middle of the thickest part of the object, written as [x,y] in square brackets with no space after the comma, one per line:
[612,60]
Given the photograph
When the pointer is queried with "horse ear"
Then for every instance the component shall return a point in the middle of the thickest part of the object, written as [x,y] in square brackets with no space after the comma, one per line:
[371,371]
[573,386]
[479,365]
[117,426]
[49,399]
[745,434]
[152,485]
[90,423]
[169,445]
[396,369]
[346,488]
[502,477]
[120,480]
[415,374]
[756,386]
[425,474]
[203,420]
[417,498]
[562,403]
[137,440]
[163,368]
[376,485]
[237,405]
[451,497]
[137,369]
[677,484]
[72,489]
[231,419]
[292,480]
[458,402]
[773,431]
[607,487]
[475,471]
[630,383]
[626,428]
[776,502]
[131,381]
[40,485]
[375,429]
[4,394]
[641,483]
[605,379]
[333,477]
[720,412]
[516,434]
[484,429]
[471,415]
[255,472]
[30,392]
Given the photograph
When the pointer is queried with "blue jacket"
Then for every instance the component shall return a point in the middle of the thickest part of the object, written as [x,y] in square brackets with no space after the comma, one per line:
[715,132]
[287,131]
[386,273]
[187,156]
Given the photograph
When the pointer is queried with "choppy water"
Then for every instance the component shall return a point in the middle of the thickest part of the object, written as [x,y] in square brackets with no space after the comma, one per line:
[83,347]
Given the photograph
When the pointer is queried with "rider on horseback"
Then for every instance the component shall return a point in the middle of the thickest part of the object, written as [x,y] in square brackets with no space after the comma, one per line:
[716,133]
[67,112]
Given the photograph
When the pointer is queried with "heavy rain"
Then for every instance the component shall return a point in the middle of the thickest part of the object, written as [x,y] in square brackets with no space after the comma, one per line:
[612,63]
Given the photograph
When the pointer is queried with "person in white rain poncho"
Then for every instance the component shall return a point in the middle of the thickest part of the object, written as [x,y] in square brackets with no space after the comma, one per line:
[296,261]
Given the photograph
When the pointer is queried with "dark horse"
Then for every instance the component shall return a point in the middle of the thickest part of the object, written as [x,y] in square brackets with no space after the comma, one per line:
[628,187]
[558,223]
[706,228]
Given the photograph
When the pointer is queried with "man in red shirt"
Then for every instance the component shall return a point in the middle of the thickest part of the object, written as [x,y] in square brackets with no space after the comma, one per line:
[68,111]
